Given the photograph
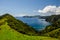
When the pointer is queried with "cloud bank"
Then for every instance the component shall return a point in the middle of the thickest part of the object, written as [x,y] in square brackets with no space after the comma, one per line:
[50,10]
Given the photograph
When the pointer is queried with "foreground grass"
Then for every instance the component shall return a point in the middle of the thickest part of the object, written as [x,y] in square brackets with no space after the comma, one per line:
[6,33]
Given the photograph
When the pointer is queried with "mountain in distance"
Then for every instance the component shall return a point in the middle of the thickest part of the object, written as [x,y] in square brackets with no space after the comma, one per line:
[36,16]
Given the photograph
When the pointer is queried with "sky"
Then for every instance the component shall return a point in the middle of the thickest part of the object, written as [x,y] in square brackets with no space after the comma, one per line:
[30,7]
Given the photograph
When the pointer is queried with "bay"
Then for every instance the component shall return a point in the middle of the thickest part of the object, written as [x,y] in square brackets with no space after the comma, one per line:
[38,24]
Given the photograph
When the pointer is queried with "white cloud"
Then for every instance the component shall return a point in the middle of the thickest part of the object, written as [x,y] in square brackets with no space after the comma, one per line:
[50,10]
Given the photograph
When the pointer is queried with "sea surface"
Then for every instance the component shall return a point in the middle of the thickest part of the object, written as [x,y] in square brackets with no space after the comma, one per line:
[38,24]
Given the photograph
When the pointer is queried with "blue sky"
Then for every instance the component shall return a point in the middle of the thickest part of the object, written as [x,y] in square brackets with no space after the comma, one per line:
[26,7]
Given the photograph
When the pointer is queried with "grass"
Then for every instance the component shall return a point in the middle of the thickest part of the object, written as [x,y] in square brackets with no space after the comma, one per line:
[56,33]
[6,33]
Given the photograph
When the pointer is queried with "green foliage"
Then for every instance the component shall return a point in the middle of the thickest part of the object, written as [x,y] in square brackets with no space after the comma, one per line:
[53,18]
[9,27]
[19,25]
[7,33]
[52,30]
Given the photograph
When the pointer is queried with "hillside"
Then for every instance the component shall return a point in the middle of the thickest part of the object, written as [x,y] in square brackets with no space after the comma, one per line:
[52,30]
[9,33]
[53,18]
[18,25]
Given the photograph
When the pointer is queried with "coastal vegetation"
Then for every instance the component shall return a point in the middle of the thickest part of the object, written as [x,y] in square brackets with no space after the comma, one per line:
[52,30]
[13,29]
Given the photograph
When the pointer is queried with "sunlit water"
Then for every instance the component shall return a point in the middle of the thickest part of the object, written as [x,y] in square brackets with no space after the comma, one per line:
[36,23]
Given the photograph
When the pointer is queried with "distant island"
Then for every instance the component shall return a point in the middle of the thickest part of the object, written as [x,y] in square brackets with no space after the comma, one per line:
[37,16]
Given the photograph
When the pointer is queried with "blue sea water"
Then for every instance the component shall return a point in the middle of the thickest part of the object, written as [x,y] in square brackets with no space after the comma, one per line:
[36,23]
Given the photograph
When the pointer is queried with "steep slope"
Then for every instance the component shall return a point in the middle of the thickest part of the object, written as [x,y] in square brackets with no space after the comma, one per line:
[53,18]
[18,25]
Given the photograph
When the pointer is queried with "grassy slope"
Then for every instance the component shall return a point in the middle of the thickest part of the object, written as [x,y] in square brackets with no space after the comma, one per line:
[6,33]
[54,32]
[18,25]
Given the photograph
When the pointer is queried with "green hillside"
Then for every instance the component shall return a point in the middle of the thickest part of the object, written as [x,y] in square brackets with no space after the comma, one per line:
[53,18]
[6,33]
[54,33]
[52,30]
[18,25]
